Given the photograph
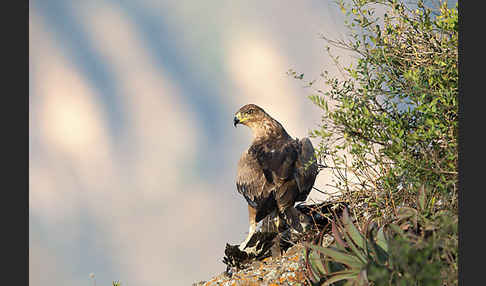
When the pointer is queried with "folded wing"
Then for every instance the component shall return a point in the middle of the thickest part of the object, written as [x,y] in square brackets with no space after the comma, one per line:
[306,168]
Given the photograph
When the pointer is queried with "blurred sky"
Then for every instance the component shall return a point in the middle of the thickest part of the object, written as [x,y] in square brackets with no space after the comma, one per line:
[131,144]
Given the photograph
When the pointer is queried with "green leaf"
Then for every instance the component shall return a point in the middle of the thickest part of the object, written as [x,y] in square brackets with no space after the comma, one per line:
[351,275]
[313,273]
[337,235]
[381,240]
[380,255]
[357,252]
[315,262]
[357,237]
[338,256]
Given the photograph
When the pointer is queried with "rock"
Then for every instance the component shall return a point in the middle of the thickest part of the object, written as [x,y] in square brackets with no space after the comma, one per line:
[275,259]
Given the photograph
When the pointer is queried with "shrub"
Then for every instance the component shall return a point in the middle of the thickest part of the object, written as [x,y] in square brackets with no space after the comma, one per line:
[389,134]
[390,124]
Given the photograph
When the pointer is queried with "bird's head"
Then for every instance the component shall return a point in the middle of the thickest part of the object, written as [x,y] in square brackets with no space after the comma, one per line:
[250,115]
[262,124]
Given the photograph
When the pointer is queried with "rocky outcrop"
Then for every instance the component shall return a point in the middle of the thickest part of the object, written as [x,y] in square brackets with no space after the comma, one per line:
[272,259]
[284,270]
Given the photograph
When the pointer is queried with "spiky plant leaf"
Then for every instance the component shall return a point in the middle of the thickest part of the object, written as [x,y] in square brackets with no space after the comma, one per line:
[355,234]
[316,264]
[381,240]
[379,254]
[313,274]
[337,235]
[358,252]
[338,276]
[339,256]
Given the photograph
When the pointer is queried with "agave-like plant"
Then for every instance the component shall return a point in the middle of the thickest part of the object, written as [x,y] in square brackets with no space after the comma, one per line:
[348,259]
[418,246]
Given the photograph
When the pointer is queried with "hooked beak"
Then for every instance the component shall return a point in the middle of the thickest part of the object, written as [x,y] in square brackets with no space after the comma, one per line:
[239,119]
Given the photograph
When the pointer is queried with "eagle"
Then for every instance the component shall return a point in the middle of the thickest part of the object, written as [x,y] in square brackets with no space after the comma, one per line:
[274,173]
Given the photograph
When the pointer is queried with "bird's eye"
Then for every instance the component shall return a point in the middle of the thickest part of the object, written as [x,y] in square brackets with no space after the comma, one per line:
[250,111]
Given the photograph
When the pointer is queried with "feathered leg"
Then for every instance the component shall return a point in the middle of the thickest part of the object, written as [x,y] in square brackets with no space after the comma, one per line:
[297,221]
[252,219]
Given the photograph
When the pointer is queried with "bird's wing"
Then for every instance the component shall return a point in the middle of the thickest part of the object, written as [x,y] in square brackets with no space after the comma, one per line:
[276,158]
[251,181]
[306,168]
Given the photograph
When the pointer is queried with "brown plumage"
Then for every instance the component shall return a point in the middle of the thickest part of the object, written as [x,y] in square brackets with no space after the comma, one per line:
[274,172]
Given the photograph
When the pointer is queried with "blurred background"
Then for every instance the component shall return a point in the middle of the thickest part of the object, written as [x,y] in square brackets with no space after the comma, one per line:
[131,145]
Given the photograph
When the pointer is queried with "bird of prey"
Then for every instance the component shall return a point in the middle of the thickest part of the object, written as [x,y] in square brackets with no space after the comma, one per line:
[275,172]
